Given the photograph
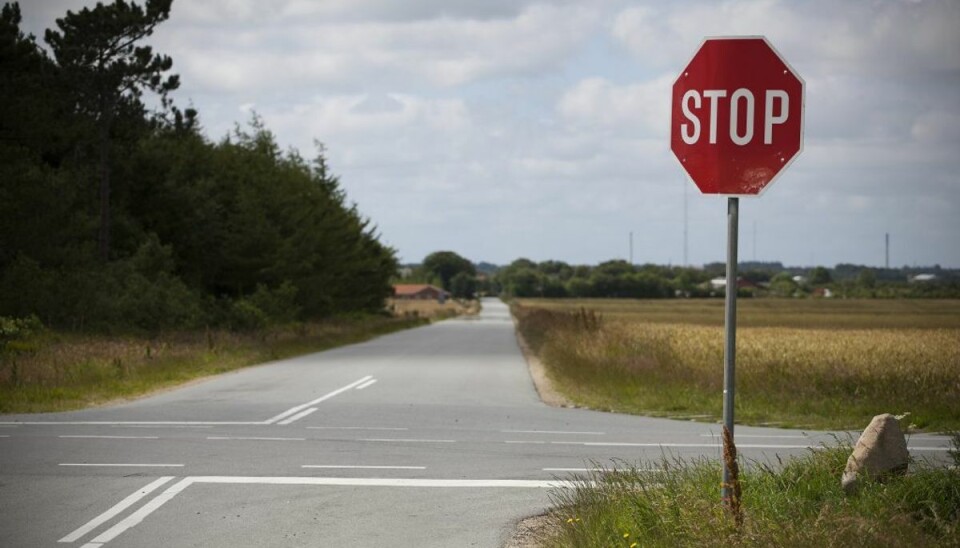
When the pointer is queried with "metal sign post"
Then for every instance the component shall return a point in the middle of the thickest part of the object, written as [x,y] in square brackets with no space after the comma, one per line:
[736,123]
[730,330]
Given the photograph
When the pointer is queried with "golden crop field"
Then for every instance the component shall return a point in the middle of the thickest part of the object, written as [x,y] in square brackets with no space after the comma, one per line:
[805,363]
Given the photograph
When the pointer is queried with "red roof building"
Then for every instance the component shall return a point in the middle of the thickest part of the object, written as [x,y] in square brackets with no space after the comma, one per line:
[419,291]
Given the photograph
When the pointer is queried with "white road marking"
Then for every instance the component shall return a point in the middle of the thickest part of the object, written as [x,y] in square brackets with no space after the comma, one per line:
[298,416]
[380,482]
[299,408]
[113,437]
[116,509]
[573,469]
[144,511]
[138,423]
[4,436]
[359,467]
[151,506]
[644,470]
[135,465]
[525,442]
[252,438]
[356,428]
[914,448]
[757,436]
[162,425]
[366,384]
[680,445]
[559,432]
[408,440]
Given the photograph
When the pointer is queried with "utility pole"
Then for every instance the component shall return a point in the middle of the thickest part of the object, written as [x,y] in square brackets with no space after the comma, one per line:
[886,260]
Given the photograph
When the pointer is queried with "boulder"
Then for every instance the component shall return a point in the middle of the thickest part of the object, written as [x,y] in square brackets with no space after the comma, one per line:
[880,452]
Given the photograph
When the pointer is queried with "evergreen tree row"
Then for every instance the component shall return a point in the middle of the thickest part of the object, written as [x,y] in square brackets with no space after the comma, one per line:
[115,217]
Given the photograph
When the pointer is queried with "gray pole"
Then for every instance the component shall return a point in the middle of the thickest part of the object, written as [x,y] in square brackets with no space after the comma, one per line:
[886,254]
[730,324]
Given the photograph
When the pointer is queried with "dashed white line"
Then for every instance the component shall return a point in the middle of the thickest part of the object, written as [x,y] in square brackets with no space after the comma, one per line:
[557,432]
[408,440]
[252,438]
[112,437]
[792,436]
[573,469]
[643,470]
[299,408]
[298,416]
[116,509]
[135,423]
[366,384]
[360,467]
[357,428]
[526,442]
[161,425]
[131,465]
[381,482]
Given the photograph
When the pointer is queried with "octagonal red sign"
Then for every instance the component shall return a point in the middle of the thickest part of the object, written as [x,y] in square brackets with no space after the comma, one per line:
[737,116]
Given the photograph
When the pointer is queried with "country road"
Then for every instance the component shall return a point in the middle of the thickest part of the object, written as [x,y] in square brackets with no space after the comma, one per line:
[429,437]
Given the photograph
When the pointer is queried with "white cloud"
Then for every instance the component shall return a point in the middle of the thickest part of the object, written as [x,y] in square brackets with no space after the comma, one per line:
[538,128]
[642,109]
[273,51]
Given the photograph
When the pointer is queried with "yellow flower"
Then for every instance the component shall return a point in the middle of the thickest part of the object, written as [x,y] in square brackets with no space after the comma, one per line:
[626,535]
[634,545]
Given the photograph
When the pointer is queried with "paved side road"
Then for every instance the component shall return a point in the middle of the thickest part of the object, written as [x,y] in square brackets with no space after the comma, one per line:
[429,437]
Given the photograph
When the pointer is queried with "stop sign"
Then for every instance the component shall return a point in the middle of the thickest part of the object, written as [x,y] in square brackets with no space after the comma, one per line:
[737,116]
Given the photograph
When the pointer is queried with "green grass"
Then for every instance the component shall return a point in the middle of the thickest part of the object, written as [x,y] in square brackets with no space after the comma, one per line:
[62,371]
[798,504]
[800,363]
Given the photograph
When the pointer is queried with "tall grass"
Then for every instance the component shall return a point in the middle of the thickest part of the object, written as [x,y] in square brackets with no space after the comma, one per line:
[798,504]
[54,371]
[792,376]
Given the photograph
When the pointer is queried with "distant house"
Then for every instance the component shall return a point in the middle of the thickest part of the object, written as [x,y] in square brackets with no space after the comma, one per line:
[923,278]
[419,292]
[721,283]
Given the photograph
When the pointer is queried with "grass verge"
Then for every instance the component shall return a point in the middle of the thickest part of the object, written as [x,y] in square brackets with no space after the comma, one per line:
[793,376]
[799,503]
[53,371]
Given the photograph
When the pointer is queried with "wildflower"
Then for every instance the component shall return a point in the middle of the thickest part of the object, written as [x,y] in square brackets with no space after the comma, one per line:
[626,535]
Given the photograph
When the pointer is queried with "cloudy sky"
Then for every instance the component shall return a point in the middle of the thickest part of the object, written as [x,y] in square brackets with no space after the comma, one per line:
[510,128]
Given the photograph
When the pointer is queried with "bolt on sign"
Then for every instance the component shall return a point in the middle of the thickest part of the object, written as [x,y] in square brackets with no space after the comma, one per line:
[737,116]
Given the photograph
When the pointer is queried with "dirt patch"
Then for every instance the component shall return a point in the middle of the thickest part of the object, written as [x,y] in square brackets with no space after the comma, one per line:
[538,372]
[529,532]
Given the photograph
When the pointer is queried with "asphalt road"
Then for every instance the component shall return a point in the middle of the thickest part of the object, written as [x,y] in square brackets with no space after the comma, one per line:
[428,437]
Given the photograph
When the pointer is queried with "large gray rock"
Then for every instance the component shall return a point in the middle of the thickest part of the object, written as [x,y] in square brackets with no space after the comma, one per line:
[880,452]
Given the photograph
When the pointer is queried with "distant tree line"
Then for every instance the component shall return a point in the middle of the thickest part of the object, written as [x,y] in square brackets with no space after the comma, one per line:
[620,279]
[114,216]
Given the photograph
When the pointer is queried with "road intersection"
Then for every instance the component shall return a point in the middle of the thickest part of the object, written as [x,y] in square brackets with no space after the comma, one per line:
[429,437]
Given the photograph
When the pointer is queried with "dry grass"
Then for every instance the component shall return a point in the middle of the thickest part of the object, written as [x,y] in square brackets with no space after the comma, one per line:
[59,371]
[801,503]
[794,375]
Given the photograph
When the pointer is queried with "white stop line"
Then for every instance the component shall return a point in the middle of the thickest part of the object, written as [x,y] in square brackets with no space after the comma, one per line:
[154,504]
